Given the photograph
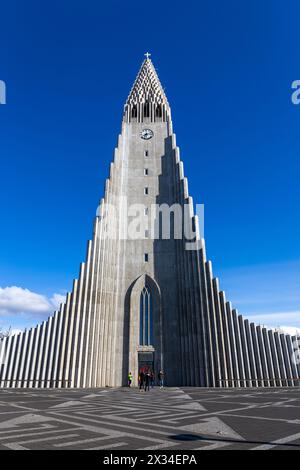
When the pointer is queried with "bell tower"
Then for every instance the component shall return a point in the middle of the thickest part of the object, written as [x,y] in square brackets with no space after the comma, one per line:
[145,157]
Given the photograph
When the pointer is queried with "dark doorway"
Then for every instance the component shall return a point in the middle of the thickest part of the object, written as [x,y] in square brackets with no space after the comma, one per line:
[146,361]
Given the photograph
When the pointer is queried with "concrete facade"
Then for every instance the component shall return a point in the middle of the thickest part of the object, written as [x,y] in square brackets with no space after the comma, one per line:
[197,338]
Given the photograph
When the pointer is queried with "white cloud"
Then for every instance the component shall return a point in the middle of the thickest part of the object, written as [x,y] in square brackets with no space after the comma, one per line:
[15,331]
[282,320]
[57,299]
[18,301]
[290,330]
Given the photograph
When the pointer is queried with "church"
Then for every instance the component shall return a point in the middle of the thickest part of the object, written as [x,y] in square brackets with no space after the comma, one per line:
[146,295]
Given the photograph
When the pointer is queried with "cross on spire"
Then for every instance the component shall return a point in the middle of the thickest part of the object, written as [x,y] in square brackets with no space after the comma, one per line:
[147,55]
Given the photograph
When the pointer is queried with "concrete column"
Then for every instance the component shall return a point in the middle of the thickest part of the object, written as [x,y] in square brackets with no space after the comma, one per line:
[252,362]
[181,303]
[73,337]
[56,356]
[286,360]
[207,319]
[200,339]
[50,365]
[40,356]
[62,379]
[14,373]
[115,340]
[292,358]
[108,293]
[70,336]
[268,357]
[11,361]
[75,375]
[188,310]
[28,359]
[245,351]
[105,379]
[45,363]
[230,376]
[257,355]
[233,345]
[2,357]
[263,358]
[239,351]
[34,356]
[24,353]
[81,313]
[274,358]
[214,331]
[5,351]
[81,365]
[90,351]
[100,314]
[184,327]
[96,339]
[186,369]
[90,306]
[220,334]
[282,368]
[296,347]
[194,366]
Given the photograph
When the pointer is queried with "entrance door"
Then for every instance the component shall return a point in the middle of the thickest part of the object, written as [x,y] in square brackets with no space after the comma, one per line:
[146,361]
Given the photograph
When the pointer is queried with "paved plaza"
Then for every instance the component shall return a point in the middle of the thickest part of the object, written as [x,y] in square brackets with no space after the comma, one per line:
[173,418]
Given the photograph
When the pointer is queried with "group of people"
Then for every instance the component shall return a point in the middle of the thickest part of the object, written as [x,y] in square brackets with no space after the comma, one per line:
[147,379]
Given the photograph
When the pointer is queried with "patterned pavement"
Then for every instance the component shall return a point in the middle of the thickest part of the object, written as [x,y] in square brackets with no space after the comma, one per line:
[127,419]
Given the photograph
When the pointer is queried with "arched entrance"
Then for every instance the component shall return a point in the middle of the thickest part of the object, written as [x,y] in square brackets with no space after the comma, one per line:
[145,327]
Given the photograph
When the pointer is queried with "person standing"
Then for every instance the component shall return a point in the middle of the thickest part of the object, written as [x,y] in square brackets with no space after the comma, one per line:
[130,379]
[147,381]
[161,376]
[142,377]
[152,379]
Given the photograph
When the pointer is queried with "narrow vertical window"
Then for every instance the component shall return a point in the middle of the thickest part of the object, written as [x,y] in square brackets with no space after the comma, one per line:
[146,257]
[134,112]
[146,153]
[146,172]
[146,191]
[146,109]
[158,112]
[146,318]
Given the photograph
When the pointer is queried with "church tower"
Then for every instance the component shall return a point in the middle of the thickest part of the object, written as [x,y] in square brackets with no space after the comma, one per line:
[145,296]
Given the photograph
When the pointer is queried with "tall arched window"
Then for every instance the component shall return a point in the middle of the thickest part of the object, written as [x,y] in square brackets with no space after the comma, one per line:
[146,109]
[158,111]
[134,112]
[146,318]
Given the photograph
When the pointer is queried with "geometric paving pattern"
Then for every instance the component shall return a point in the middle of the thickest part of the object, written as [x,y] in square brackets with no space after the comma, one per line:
[185,418]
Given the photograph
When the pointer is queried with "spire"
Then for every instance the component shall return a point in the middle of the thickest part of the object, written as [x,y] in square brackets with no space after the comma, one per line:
[147,100]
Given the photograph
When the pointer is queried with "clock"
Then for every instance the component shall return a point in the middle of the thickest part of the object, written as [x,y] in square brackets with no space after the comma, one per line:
[146,134]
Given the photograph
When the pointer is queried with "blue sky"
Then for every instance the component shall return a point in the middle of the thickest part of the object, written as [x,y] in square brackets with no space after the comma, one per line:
[227,68]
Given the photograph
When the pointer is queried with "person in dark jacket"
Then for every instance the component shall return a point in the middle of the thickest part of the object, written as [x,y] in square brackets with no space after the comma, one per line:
[147,381]
[161,377]
[142,378]
[152,379]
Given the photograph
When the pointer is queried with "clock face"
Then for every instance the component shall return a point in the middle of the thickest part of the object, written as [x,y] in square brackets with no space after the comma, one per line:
[146,134]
